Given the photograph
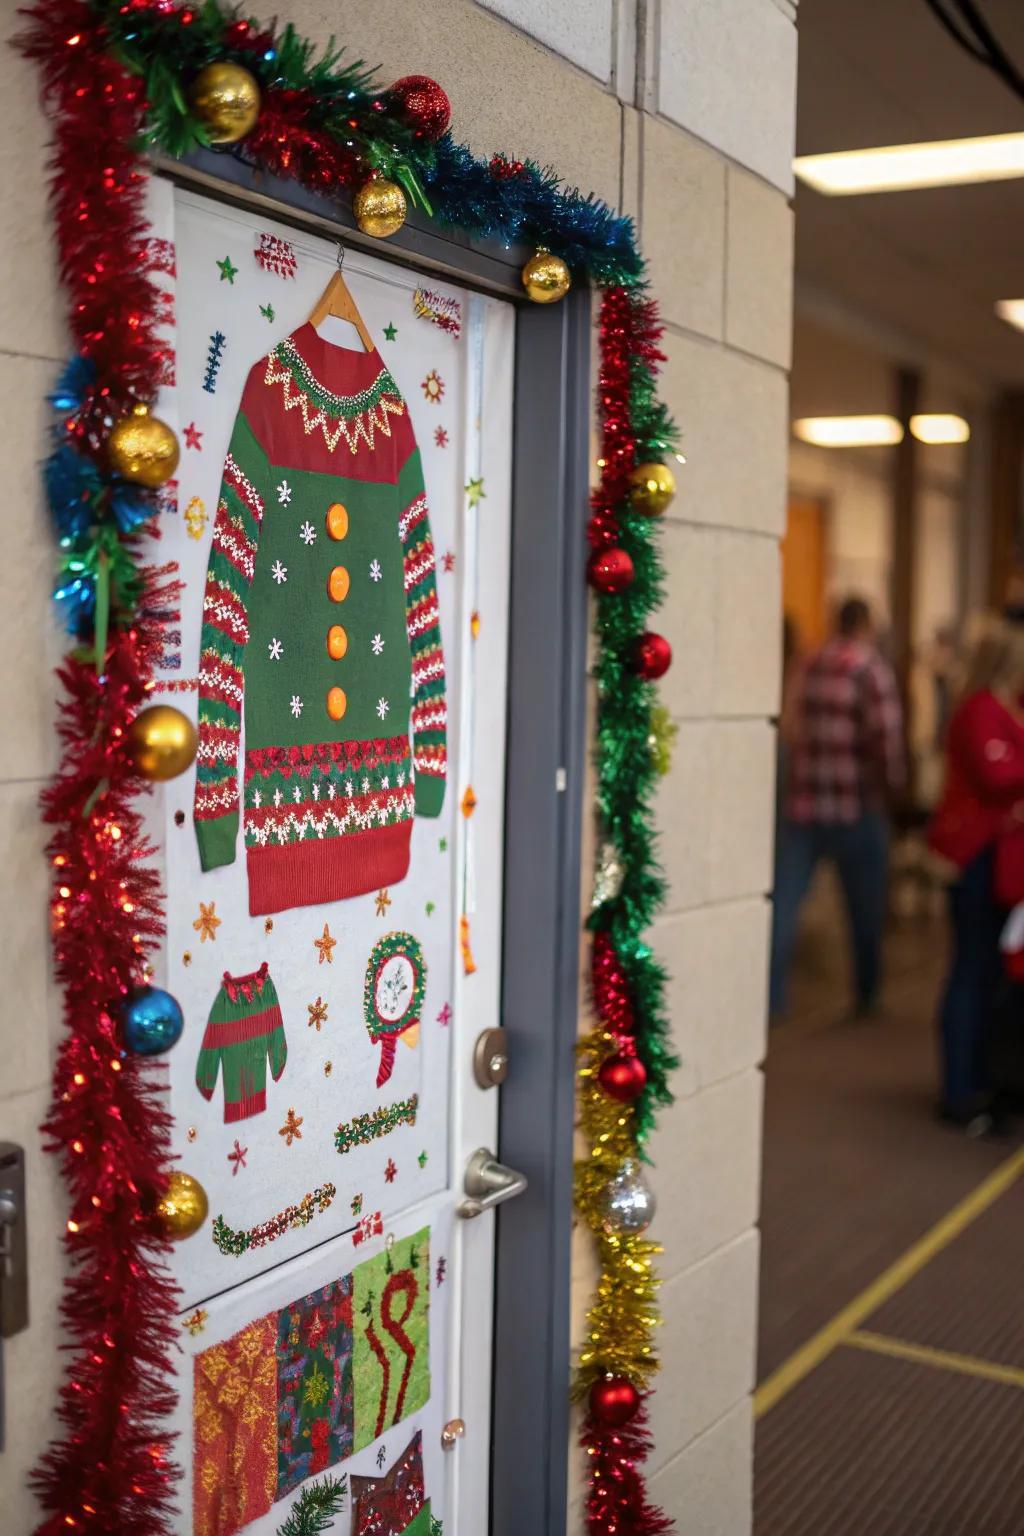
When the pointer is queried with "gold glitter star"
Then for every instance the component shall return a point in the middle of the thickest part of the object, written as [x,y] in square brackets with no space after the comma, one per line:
[268,925]
[186,958]
[317,1013]
[207,923]
[195,517]
[383,902]
[468,802]
[328,1068]
[191,1133]
[326,946]
[196,1322]
[290,1130]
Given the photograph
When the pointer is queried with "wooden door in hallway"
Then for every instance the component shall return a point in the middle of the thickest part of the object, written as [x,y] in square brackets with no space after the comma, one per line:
[803,571]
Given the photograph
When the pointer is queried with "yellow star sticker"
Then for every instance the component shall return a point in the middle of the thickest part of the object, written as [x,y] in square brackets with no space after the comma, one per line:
[290,1130]
[207,923]
[383,902]
[317,1013]
[325,946]
[475,492]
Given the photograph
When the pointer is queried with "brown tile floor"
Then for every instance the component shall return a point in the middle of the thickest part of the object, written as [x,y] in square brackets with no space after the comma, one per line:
[856,1170]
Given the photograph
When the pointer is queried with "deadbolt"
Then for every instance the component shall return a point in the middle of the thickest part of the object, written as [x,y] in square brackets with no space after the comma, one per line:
[490,1058]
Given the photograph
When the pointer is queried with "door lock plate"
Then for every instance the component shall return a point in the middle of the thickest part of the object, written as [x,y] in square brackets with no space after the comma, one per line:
[490,1058]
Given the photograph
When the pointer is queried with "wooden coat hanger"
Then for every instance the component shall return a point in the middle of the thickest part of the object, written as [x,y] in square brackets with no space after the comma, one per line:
[337,300]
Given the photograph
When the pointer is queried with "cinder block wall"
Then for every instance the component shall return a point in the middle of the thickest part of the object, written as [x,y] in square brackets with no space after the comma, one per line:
[681,114]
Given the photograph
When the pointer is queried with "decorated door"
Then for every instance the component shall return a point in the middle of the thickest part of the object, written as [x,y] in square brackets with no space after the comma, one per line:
[339,525]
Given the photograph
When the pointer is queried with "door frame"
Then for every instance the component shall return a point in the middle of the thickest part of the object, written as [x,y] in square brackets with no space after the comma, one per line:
[545,773]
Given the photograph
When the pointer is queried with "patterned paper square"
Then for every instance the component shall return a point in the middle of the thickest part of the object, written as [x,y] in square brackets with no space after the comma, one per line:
[390,1306]
[234,1430]
[392,1505]
[314,1384]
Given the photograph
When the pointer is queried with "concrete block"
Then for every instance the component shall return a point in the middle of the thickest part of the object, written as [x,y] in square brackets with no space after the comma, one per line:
[580,30]
[687,618]
[632,149]
[742,771]
[682,809]
[759,269]
[707,1170]
[25,942]
[706,1345]
[748,605]
[708,1489]
[32,311]
[683,227]
[727,72]
[732,412]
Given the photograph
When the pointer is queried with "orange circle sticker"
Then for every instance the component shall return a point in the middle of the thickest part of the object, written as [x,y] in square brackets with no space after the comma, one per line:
[337,584]
[337,642]
[336,703]
[337,520]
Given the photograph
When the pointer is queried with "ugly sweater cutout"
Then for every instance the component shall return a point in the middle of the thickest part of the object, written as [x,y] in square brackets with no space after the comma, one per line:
[244,1031]
[320,620]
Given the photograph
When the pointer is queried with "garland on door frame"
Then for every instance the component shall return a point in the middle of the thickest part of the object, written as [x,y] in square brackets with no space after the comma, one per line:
[118,77]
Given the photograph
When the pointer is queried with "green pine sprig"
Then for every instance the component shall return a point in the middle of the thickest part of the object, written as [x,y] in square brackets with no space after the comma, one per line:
[315,1508]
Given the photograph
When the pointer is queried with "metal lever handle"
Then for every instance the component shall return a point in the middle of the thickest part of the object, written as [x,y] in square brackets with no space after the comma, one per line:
[487,1184]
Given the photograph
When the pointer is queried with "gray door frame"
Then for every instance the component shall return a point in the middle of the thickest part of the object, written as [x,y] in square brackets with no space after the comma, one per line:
[545,773]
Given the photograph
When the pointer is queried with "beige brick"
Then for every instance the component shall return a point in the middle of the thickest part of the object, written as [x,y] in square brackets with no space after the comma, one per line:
[759,269]
[732,411]
[32,311]
[707,1488]
[32,1364]
[30,640]
[742,772]
[717,963]
[687,618]
[748,607]
[581,31]
[508,93]
[24,941]
[632,148]
[706,1174]
[682,814]
[706,1345]
[683,227]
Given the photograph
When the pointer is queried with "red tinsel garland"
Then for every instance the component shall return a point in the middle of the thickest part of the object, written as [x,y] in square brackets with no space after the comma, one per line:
[617,1503]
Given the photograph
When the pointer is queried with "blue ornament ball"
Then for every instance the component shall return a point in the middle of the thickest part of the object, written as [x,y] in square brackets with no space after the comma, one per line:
[152,1021]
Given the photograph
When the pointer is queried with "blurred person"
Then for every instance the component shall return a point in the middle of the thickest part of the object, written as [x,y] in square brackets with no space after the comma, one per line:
[846,759]
[978,829]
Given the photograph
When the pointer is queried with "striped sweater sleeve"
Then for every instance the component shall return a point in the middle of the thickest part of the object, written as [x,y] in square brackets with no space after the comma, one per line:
[225,633]
[423,625]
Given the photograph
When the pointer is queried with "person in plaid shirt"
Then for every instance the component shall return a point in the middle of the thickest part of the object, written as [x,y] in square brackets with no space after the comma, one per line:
[846,760]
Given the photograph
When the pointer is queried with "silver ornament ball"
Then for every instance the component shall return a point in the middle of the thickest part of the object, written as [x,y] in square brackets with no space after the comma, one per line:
[628,1206]
[608,876]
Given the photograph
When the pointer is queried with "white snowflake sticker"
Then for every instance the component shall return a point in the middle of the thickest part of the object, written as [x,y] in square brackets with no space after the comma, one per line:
[382,707]
[307,533]
[284,493]
[377,645]
[296,705]
[279,572]
[276,649]
[375,571]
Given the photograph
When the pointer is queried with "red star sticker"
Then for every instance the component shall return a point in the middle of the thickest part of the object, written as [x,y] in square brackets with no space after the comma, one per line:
[440,437]
[390,1171]
[444,1017]
[237,1156]
[448,560]
[193,437]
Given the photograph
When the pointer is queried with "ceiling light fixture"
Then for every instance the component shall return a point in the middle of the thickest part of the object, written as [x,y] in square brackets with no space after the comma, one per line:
[1012,311]
[849,431]
[901,167]
[940,428]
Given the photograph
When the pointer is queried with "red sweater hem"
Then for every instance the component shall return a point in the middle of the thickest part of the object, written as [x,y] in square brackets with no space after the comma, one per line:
[252,1104]
[326,869]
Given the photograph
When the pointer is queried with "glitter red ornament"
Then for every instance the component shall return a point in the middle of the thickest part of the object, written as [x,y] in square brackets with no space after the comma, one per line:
[610,570]
[610,988]
[652,656]
[622,1077]
[614,1400]
[421,103]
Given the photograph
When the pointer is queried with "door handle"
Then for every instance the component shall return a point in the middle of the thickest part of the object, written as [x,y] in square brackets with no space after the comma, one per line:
[487,1183]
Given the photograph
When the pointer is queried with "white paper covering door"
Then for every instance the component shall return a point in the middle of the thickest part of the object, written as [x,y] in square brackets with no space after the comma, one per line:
[333,1308]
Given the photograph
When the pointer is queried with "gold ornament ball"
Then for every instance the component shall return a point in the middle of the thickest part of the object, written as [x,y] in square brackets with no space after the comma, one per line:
[226,99]
[184,1207]
[142,448]
[546,278]
[161,742]
[651,488]
[379,207]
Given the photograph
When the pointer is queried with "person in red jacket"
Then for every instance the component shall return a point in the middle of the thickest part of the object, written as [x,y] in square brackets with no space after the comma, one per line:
[977,828]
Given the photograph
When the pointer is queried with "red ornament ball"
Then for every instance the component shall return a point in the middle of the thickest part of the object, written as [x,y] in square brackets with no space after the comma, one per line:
[622,1077]
[614,1400]
[652,656]
[610,570]
[422,103]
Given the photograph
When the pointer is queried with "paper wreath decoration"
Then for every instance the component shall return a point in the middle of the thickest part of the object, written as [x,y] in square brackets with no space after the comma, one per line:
[396,982]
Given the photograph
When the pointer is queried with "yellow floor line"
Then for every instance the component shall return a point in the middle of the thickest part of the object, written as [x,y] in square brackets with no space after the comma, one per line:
[804,1360]
[942,1359]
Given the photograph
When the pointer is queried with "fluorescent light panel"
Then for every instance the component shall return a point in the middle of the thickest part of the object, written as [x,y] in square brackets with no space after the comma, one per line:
[901,167]
[849,431]
[940,428]
[1012,311]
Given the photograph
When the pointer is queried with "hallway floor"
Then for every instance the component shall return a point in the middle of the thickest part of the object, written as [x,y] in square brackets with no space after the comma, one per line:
[891,1368]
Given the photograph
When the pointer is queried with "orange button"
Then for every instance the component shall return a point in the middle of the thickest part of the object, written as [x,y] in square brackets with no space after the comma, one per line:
[337,520]
[337,642]
[336,703]
[337,584]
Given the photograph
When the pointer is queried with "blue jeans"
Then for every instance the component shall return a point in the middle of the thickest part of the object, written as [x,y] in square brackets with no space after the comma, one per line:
[975,977]
[860,851]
